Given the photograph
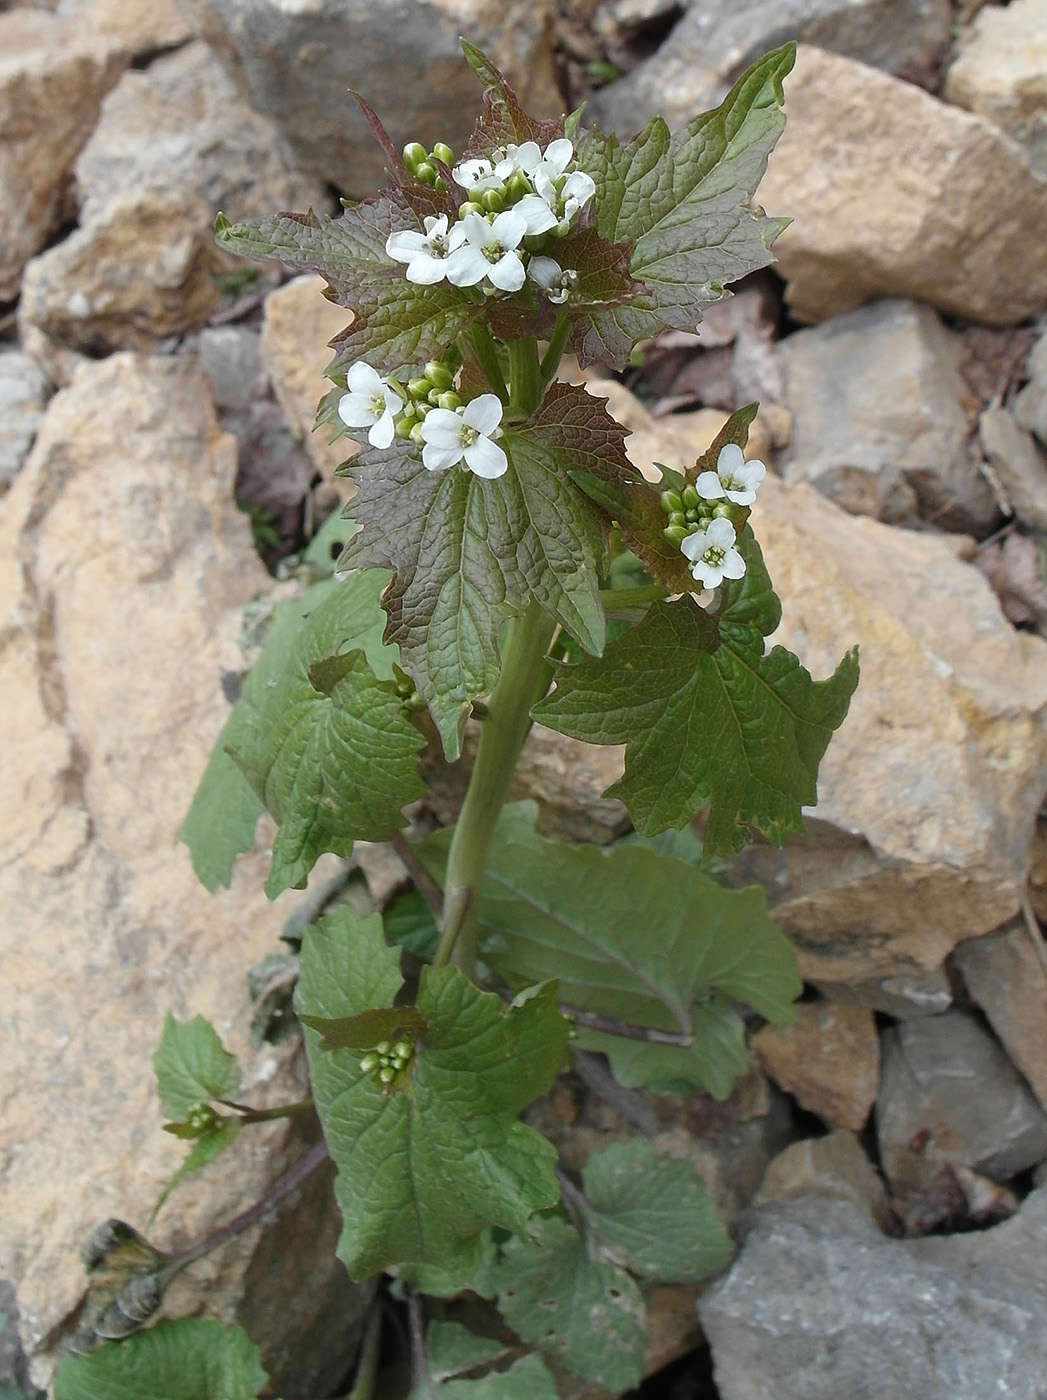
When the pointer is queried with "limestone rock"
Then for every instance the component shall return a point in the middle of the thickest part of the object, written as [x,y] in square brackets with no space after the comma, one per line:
[1020,465]
[1000,72]
[124,567]
[893,193]
[835,1166]
[929,791]
[52,81]
[828,1059]
[716,40]
[949,1094]
[1006,975]
[925,992]
[878,419]
[1030,405]
[23,393]
[231,358]
[1038,871]
[820,1306]
[403,56]
[297,330]
[139,28]
[174,145]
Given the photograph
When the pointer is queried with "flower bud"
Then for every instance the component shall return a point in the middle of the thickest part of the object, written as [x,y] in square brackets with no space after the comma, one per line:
[440,184]
[517,185]
[416,433]
[387,1074]
[691,497]
[382,1048]
[414,155]
[419,388]
[676,534]
[438,375]
[493,201]
[449,399]
[368,1063]
[404,425]
[433,396]
[469,207]
[671,501]
[426,172]
[422,407]
[723,511]
[442,152]
[677,517]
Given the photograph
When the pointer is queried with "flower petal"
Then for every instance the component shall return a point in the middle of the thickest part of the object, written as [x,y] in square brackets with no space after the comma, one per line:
[508,228]
[730,459]
[483,413]
[709,486]
[467,266]
[436,458]
[485,458]
[537,215]
[543,272]
[362,379]
[355,410]
[424,270]
[733,565]
[381,435]
[721,534]
[405,245]
[750,474]
[558,155]
[443,427]
[507,273]
[694,546]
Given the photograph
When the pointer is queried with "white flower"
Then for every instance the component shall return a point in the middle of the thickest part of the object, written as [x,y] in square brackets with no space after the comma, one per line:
[572,196]
[424,253]
[370,403]
[487,251]
[558,156]
[556,282]
[476,176]
[537,215]
[734,478]
[713,554]
[451,436]
[526,158]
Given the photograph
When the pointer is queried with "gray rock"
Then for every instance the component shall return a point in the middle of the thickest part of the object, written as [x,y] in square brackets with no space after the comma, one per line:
[949,1094]
[232,361]
[821,1306]
[1030,406]
[23,393]
[920,993]
[716,40]
[1019,463]
[402,55]
[1004,975]
[878,419]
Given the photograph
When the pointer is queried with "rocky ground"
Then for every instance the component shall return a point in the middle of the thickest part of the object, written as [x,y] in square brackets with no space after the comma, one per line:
[885,1166]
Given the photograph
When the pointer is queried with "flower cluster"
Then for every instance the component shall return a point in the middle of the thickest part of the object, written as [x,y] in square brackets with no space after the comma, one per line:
[521,193]
[428,411]
[385,1062]
[700,517]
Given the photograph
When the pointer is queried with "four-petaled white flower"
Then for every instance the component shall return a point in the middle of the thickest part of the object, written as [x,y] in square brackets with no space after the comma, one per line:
[370,403]
[424,253]
[450,437]
[570,198]
[476,176]
[513,158]
[487,251]
[734,478]
[713,555]
[556,282]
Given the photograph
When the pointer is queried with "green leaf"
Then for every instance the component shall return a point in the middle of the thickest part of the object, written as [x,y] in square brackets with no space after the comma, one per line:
[453,1349]
[203,1152]
[192,1066]
[503,121]
[425,1165]
[191,1359]
[469,1266]
[325,742]
[468,553]
[325,548]
[366,1030]
[638,936]
[685,203]
[409,923]
[586,1313]
[707,716]
[528,1379]
[653,1215]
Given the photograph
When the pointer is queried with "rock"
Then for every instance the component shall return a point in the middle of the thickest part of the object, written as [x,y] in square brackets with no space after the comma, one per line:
[1020,465]
[949,1095]
[716,40]
[1000,72]
[52,81]
[124,567]
[1038,871]
[923,993]
[879,424]
[828,1059]
[833,1166]
[23,393]
[1030,405]
[893,193]
[299,325]
[232,360]
[820,1306]
[403,56]
[173,146]
[138,28]
[929,791]
[1006,975]
[1015,568]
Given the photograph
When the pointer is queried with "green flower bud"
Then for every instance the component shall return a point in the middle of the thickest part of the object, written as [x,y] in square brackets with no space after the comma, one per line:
[422,407]
[671,502]
[368,1063]
[723,511]
[419,388]
[433,396]
[493,201]
[677,518]
[517,186]
[692,514]
[449,399]
[438,375]
[676,534]
[414,155]
[469,207]
[416,433]
[426,172]
[404,425]
[443,152]
[402,1051]
[382,1048]
[387,1074]
[440,184]
[691,498]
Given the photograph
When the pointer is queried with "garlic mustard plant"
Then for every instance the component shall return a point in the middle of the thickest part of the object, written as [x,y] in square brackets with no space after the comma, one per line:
[502,560]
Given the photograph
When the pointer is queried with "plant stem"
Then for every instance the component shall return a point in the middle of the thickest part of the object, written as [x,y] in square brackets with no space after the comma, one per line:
[486,352]
[264,1115]
[367,1366]
[523,681]
[525,378]
[554,353]
[633,597]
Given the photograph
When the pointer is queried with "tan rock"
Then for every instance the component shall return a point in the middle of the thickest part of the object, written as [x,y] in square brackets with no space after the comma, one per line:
[52,81]
[1000,72]
[136,27]
[1006,975]
[1020,465]
[174,145]
[835,1166]
[1030,405]
[125,568]
[929,791]
[1038,871]
[297,330]
[828,1059]
[893,193]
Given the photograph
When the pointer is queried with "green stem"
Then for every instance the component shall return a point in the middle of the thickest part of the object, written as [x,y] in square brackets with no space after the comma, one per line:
[525,378]
[554,353]
[487,353]
[367,1366]
[523,681]
[633,597]
[264,1115]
